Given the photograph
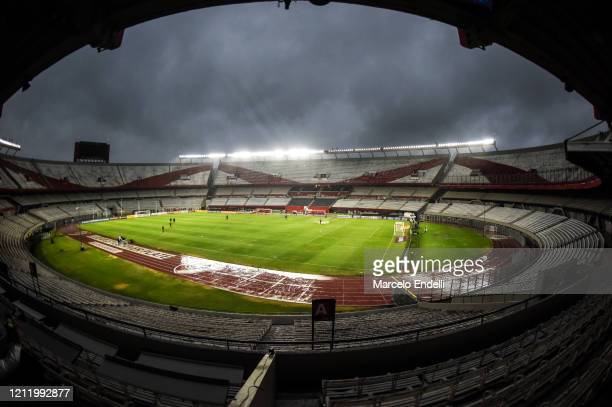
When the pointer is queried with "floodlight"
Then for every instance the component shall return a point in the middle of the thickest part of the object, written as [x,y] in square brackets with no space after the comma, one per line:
[8,144]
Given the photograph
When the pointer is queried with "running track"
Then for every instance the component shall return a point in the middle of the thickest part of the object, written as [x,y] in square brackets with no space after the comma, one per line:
[348,291]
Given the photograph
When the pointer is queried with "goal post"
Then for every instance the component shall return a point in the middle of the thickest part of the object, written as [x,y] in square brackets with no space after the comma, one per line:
[316,212]
[401,231]
[141,214]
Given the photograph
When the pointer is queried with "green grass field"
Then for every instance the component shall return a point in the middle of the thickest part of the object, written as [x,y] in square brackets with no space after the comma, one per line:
[298,243]
[440,240]
[99,269]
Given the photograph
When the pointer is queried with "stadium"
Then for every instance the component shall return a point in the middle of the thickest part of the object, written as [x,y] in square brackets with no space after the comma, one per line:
[245,278]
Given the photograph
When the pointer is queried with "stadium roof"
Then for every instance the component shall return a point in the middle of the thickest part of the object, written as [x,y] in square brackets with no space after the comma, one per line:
[569,39]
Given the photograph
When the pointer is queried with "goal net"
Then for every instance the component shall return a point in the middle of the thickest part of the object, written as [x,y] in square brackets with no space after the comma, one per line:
[316,212]
[140,214]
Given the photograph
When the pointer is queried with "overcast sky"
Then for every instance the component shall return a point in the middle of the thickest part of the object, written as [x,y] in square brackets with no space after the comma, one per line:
[258,77]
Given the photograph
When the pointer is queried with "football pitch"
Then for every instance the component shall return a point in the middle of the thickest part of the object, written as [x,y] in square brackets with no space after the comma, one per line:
[304,244]
[331,246]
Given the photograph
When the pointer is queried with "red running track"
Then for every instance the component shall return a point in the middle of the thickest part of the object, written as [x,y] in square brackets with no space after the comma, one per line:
[348,291]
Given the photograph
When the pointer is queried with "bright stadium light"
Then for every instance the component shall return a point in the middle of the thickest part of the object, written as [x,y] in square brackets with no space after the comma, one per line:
[200,156]
[8,144]
[299,152]
[483,142]
[241,154]
[292,152]
[305,152]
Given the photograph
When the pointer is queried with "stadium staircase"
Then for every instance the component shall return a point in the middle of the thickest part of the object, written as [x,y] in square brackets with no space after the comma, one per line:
[445,169]
[212,190]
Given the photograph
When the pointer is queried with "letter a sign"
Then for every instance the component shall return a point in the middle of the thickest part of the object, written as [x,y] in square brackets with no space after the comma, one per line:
[324,310]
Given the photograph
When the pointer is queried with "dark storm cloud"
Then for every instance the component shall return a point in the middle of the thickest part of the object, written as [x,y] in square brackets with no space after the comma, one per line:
[258,77]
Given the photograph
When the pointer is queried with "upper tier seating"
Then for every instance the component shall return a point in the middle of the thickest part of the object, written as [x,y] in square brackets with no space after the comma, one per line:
[37,174]
[353,171]
[6,182]
[518,167]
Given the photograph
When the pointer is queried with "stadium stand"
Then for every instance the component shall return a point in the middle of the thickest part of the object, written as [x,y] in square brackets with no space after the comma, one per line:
[6,206]
[182,203]
[458,209]
[236,202]
[50,214]
[6,183]
[505,215]
[538,166]
[353,327]
[538,221]
[434,208]
[406,170]
[533,201]
[549,221]
[511,371]
[25,174]
[254,202]
[218,202]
